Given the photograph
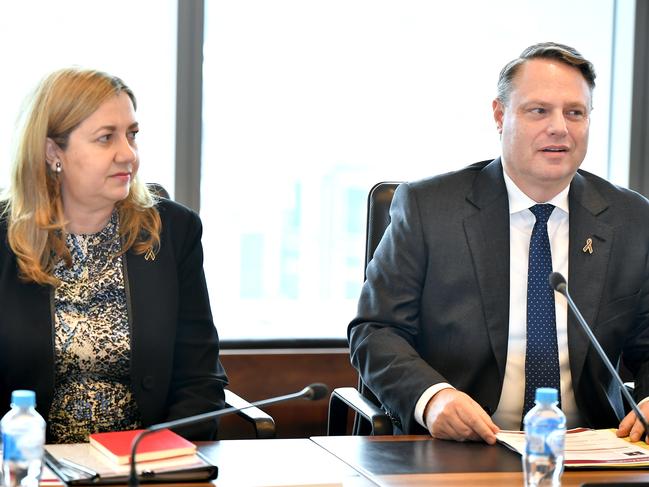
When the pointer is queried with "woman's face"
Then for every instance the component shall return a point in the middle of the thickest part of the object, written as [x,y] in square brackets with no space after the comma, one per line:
[101,158]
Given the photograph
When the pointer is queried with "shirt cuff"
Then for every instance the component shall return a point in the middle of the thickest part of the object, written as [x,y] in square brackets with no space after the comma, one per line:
[644,400]
[425,397]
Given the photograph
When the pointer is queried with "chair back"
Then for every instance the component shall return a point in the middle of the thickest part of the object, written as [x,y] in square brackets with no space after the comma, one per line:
[158,190]
[378,216]
[379,200]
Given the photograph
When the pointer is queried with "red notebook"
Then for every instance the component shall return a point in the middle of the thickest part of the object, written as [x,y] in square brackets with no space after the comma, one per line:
[155,446]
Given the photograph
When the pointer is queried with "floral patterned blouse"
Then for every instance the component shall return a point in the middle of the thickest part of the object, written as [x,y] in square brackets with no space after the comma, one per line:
[92,341]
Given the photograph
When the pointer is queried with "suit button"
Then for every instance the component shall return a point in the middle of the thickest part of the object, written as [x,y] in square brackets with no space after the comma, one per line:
[148,382]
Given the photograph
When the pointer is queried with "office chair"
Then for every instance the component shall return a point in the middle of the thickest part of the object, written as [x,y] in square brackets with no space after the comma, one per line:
[262,422]
[369,417]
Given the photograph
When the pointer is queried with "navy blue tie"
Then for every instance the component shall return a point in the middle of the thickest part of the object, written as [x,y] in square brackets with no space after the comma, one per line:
[542,353]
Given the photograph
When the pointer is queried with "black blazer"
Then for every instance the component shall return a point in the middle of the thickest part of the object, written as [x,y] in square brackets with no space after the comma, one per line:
[175,367]
[435,306]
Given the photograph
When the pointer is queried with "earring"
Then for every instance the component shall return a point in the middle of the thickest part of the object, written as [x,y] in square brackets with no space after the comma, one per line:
[58,166]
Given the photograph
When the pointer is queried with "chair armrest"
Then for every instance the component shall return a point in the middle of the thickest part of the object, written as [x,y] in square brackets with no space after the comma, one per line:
[263,423]
[345,398]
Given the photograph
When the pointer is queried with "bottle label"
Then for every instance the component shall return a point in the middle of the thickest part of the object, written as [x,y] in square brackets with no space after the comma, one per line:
[22,447]
[536,444]
[545,438]
[10,451]
[555,442]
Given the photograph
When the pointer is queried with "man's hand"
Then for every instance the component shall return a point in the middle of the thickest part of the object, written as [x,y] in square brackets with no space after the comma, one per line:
[631,425]
[453,415]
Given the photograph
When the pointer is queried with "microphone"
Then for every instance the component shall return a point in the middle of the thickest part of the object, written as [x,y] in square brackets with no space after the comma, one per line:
[312,392]
[558,283]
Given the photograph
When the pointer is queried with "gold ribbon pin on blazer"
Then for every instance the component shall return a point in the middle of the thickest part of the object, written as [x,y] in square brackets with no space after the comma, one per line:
[589,246]
[150,255]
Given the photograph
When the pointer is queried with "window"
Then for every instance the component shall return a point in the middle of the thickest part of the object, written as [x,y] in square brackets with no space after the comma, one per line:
[308,104]
[39,37]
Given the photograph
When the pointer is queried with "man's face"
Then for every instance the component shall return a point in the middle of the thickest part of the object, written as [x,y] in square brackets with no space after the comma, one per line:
[544,127]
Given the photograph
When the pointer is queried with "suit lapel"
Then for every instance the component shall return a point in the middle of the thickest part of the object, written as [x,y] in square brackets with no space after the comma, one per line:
[587,271]
[487,233]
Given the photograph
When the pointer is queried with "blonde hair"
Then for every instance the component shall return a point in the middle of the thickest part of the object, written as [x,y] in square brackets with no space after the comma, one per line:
[34,208]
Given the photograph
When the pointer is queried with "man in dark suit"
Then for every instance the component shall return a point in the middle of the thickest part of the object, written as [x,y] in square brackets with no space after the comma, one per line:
[444,328]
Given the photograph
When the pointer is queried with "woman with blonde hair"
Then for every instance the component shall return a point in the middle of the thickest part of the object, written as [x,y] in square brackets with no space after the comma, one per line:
[105,310]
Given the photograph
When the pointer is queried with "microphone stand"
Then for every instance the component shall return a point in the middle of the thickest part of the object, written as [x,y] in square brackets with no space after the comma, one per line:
[558,283]
[312,392]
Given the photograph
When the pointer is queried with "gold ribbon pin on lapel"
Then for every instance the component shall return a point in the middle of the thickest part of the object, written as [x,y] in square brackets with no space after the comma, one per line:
[150,255]
[589,246]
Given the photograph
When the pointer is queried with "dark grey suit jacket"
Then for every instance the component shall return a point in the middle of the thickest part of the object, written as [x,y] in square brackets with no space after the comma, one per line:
[435,306]
[175,367]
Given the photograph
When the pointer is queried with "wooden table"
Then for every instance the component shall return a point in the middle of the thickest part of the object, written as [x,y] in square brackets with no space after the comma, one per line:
[388,461]
[506,479]
[412,461]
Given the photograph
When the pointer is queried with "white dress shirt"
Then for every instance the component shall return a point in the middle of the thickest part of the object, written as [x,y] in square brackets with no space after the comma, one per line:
[521,222]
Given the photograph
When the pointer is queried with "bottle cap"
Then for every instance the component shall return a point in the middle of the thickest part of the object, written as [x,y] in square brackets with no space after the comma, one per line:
[23,399]
[546,395]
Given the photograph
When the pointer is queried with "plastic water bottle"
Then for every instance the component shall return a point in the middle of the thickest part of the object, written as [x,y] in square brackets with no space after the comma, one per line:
[23,437]
[545,435]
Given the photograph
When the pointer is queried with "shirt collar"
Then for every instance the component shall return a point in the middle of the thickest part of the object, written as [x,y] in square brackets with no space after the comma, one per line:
[519,201]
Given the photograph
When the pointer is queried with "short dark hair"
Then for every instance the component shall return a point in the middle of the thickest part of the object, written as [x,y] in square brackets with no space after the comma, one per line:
[544,50]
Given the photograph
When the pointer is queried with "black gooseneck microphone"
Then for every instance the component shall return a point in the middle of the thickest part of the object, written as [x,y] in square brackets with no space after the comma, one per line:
[558,283]
[312,392]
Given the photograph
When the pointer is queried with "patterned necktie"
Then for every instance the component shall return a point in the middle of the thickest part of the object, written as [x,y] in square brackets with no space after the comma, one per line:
[541,354]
